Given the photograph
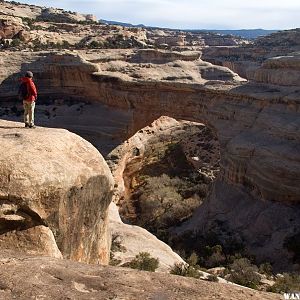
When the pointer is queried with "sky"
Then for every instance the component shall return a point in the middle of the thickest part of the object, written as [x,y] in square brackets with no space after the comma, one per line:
[190,14]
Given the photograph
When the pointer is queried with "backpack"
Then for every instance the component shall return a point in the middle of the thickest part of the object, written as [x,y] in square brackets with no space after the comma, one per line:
[23,91]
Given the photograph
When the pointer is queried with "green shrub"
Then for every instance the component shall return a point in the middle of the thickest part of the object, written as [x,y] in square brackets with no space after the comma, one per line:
[213,278]
[216,257]
[30,22]
[183,269]
[95,44]
[15,43]
[161,203]
[143,261]
[288,283]
[214,248]
[266,268]
[242,272]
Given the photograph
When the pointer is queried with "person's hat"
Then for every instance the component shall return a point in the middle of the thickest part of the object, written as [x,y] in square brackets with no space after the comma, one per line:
[29,74]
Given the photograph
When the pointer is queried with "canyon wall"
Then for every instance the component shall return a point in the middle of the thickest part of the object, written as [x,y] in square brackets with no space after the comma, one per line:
[257,126]
[245,60]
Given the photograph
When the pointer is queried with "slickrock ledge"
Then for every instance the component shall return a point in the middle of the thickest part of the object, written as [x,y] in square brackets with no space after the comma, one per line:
[55,189]
[25,277]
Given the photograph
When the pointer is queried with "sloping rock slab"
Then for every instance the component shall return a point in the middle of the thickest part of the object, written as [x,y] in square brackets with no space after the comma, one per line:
[25,277]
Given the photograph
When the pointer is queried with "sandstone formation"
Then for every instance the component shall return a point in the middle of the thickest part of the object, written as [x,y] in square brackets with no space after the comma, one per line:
[245,60]
[52,28]
[61,16]
[233,106]
[49,278]
[42,13]
[54,194]
[282,70]
[128,160]
[134,240]
[256,124]
[162,57]
[37,240]
[10,26]
[165,38]
[55,28]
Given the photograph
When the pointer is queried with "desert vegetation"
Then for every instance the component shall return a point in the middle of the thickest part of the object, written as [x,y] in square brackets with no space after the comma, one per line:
[166,191]
[143,261]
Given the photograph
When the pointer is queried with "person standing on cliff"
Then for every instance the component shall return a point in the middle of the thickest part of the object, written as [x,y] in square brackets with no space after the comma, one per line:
[28,94]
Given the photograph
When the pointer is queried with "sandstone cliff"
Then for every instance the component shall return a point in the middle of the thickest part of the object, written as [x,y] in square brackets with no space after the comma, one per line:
[246,59]
[257,126]
[54,194]
[282,70]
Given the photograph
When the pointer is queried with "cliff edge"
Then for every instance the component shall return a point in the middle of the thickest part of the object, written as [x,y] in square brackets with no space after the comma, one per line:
[55,189]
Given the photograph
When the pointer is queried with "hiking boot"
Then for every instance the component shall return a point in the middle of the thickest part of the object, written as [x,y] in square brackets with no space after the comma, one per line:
[31,126]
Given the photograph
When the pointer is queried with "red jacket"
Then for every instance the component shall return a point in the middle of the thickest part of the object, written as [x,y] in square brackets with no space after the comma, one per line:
[32,92]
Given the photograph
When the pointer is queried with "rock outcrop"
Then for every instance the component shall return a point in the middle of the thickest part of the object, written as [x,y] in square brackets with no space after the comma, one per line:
[246,59]
[49,278]
[42,13]
[52,28]
[54,194]
[61,16]
[162,57]
[282,70]
[10,26]
[134,239]
[127,163]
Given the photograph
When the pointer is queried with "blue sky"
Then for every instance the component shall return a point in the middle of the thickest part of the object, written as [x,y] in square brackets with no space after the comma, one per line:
[192,14]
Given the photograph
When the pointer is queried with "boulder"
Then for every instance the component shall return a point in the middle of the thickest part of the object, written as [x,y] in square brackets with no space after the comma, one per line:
[55,189]
[38,240]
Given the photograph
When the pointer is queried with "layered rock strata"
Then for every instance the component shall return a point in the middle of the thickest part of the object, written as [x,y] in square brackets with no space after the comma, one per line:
[245,60]
[282,70]
[257,126]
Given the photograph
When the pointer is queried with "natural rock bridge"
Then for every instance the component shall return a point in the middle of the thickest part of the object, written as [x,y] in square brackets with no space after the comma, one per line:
[258,190]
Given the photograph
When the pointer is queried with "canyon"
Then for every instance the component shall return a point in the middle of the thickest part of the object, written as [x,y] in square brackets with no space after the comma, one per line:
[220,111]
[256,124]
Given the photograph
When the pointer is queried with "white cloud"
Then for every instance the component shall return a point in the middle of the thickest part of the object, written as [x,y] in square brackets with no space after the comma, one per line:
[221,14]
